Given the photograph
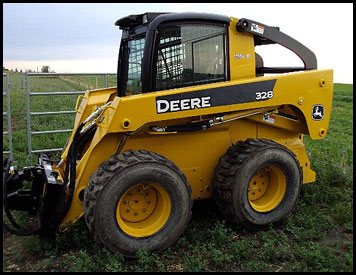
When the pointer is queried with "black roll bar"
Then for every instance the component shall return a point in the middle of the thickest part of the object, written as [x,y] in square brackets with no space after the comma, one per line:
[264,34]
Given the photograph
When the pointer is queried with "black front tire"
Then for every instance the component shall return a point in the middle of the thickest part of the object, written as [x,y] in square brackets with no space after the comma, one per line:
[109,185]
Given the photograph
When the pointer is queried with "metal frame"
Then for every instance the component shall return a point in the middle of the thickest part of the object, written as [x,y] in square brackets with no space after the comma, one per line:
[271,35]
[8,115]
[30,133]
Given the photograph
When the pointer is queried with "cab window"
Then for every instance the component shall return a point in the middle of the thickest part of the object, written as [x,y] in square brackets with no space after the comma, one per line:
[134,81]
[190,54]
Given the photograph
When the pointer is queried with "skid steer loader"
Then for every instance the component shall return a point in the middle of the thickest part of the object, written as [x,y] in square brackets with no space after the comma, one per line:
[194,116]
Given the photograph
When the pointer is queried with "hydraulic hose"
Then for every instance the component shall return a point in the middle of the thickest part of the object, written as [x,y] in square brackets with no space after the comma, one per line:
[19,229]
[70,166]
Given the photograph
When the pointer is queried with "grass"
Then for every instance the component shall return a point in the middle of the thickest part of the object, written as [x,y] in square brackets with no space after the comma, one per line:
[317,236]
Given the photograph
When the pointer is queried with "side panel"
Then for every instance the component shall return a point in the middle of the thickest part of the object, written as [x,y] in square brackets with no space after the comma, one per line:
[241,53]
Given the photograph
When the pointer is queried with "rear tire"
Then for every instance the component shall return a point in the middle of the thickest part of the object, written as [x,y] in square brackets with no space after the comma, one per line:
[257,183]
[137,200]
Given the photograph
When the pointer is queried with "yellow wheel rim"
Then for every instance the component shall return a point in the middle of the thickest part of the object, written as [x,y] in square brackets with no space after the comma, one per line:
[267,188]
[143,210]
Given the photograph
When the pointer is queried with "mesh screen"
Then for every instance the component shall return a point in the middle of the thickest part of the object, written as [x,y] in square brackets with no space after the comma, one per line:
[190,54]
[134,83]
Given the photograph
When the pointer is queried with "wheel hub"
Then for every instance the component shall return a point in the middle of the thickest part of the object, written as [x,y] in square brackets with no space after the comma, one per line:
[138,203]
[267,188]
[258,185]
[143,209]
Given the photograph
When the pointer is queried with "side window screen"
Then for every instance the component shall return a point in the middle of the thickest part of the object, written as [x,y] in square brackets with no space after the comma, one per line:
[134,83]
[190,55]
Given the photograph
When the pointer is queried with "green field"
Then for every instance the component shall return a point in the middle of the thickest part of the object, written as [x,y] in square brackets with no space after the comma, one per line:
[317,236]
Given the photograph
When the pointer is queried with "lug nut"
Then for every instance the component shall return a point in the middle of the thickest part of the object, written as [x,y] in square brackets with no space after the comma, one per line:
[127,210]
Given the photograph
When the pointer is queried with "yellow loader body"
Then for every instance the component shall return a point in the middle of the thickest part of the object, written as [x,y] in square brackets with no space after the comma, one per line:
[196,154]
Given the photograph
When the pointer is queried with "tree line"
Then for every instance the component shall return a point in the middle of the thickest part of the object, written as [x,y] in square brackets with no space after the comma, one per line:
[44,69]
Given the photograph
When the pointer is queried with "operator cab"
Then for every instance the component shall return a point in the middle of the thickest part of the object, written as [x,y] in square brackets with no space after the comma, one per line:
[162,51]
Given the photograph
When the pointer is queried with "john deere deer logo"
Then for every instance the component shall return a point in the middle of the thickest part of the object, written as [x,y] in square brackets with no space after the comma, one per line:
[318,112]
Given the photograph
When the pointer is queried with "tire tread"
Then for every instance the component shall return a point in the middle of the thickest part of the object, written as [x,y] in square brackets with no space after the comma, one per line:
[114,165]
[228,166]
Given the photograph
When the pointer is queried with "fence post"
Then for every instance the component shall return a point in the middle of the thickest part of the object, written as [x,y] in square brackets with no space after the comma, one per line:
[28,116]
[21,78]
[105,81]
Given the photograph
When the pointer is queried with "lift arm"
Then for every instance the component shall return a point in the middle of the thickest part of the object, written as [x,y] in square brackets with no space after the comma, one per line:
[264,34]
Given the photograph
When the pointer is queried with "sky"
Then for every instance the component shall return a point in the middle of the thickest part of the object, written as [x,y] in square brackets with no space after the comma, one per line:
[83,38]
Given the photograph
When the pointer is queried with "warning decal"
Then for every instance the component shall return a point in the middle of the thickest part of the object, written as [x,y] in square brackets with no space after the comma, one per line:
[257,28]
